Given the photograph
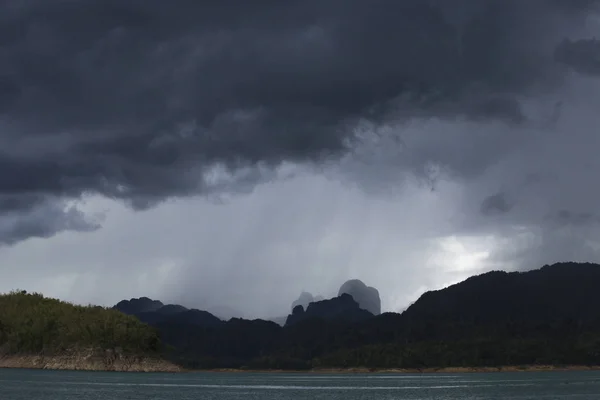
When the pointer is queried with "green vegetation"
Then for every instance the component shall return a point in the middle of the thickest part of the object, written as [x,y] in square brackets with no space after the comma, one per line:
[33,324]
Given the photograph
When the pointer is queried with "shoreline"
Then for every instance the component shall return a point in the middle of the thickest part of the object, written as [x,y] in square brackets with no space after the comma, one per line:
[134,364]
[89,362]
[110,362]
[432,370]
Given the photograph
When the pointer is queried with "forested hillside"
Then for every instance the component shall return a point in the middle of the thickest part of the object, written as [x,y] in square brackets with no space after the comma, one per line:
[34,324]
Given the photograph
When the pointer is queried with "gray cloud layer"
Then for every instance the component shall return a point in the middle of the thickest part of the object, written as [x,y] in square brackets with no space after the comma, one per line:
[406,143]
[138,100]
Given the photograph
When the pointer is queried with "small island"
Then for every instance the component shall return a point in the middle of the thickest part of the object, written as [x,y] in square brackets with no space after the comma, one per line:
[542,319]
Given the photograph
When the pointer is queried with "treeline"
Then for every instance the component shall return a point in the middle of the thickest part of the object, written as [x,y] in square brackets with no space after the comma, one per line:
[34,324]
[495,352]
[320,344]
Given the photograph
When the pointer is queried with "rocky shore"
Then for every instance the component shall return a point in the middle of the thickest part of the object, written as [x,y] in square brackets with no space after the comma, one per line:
[89,361]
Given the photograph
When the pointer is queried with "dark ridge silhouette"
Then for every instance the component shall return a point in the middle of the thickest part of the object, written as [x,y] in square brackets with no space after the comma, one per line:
[279,320]
[137,306]
[343,307]
[546,316]
[232,344]
[154,312]
[549,316]
[512,302]
[366,296]
[224,313]
[171,309]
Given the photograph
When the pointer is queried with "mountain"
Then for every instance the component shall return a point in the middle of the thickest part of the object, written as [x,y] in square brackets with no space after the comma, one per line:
[303,300]
[545,316]
[560,296]
[154,312]
[224,313]
[200,340]
[549,316]
[136,306]
[343,307]
[366,296]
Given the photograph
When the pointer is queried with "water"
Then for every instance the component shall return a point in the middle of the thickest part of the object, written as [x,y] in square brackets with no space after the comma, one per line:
[62,385]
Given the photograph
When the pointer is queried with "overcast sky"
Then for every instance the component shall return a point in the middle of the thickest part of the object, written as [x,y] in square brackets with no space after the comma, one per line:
[235,153]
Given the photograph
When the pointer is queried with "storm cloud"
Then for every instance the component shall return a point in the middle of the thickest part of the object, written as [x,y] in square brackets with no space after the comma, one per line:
[487,104]
[139,100]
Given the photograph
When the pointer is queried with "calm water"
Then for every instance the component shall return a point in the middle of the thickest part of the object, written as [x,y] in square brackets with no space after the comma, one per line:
[59,385]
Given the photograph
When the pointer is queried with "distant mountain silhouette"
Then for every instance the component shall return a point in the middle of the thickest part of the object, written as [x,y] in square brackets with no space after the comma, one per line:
[343,307]
[305,299]
[171,309]
[549,316]
[366,296]
[154,312]
[545,316]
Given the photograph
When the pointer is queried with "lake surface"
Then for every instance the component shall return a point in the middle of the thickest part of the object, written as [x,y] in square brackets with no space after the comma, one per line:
[63,385]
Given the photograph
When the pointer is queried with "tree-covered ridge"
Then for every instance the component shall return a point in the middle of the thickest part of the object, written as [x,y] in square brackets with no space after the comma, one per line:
[34,324]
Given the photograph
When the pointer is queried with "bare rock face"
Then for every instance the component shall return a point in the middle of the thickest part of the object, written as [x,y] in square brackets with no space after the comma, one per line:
[366,296]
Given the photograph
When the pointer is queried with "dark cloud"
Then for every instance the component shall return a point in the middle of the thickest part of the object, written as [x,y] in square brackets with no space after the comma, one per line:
[578,219]
[138,100]
[582,55]
[44,221]
[496,204]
